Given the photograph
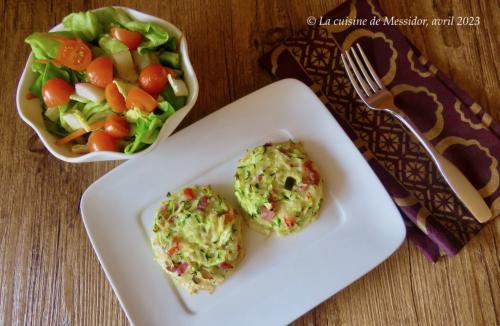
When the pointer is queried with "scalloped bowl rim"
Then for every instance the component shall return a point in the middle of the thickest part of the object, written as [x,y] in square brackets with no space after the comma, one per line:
[35,121]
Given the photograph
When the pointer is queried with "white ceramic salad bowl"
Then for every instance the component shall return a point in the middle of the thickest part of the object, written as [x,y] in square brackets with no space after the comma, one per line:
[30,110]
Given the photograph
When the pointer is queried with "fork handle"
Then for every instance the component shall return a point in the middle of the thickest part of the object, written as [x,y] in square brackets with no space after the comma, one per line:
[462,187]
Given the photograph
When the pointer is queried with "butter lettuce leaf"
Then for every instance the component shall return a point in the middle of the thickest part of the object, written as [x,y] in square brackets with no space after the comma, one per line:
[176,101]
[112,17]
[167,109]
[85,24]
[45,45]
[145,131]
[154,35]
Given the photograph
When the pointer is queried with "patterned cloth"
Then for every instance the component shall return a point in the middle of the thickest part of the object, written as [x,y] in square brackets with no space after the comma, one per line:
[457,126]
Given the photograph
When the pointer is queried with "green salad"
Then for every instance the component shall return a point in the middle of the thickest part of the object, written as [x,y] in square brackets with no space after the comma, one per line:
[107,82]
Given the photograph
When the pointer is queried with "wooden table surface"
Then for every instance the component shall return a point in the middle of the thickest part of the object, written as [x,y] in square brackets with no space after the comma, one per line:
[49,273]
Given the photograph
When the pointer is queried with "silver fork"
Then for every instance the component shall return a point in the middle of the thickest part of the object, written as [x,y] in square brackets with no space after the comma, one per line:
[373,92]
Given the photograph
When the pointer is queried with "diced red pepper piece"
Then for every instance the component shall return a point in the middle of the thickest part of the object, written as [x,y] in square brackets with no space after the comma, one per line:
[188,193]
[290,221]
[225,265]
[310,175]
[174,249]
[228,217]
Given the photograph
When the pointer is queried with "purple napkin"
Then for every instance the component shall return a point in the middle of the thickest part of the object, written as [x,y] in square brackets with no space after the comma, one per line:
[457,125]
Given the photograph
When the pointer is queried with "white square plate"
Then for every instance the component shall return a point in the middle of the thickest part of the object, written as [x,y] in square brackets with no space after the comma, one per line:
[280,278]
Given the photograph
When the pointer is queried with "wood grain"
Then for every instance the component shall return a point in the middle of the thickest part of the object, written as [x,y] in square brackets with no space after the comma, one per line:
[49,274]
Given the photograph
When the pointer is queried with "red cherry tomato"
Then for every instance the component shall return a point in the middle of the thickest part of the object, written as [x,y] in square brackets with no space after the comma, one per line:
[138,98]
[56,92]
[115,99]
[74,54]
[131,39]
[117,126]
[102,141]
[170,71]
[153,78]
[100,71]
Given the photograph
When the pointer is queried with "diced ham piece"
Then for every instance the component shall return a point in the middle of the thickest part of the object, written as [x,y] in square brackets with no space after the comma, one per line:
[181,268]
[202,203]
[303,187]
[266,214]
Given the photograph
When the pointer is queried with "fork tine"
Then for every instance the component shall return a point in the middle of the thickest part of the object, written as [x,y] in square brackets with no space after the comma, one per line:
[352,78]
[363,70]
[359,78]
[369,66]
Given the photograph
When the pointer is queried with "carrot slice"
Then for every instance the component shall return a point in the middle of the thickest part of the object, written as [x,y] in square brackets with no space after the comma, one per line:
[79,132]
[44,61]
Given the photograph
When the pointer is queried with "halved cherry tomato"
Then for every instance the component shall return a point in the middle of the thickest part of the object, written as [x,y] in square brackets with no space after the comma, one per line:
[115,99]
[153,78]
[117,126]
[100,71]
[169,71]
[56,92]
[74,54]
[188,193]
[131,39]
[139,98]
[102,141]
